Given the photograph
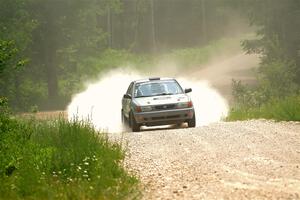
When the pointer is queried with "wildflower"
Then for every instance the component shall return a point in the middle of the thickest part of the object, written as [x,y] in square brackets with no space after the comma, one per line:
[86,163]
[70,179]
[86,158]
[13,186]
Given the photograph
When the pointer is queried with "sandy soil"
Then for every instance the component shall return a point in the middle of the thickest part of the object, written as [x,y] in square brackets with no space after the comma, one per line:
[226,160]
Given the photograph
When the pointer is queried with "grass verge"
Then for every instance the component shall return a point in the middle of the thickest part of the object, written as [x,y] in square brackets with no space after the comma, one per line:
[60,160]
[287,109]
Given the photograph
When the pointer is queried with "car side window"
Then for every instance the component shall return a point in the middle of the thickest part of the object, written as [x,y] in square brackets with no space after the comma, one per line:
[129,91]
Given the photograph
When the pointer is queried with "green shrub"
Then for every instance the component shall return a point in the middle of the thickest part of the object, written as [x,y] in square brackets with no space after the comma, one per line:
[60,160]
[276,95]
[285,109]
[278,78]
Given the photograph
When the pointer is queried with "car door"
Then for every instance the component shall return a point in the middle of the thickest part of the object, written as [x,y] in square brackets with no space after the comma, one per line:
[127,102]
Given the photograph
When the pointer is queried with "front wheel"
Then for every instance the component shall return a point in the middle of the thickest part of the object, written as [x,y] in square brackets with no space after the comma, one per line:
[133,124]
[122,117]
[192,122]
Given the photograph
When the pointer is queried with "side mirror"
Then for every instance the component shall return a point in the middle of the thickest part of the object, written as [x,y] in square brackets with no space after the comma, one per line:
[187,90]
[127,96]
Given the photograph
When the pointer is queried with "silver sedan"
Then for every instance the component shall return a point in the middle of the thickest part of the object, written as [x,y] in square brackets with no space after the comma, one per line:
[157,101]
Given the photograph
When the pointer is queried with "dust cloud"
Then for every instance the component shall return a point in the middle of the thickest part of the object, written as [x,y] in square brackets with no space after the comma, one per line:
[100,103]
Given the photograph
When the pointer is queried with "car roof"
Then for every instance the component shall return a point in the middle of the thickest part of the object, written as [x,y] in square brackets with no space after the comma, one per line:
[153,79]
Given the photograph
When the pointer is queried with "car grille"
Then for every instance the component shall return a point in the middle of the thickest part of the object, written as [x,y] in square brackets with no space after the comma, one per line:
[165,107]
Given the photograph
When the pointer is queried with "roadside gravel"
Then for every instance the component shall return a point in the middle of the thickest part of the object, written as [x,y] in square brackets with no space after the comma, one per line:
[255,159]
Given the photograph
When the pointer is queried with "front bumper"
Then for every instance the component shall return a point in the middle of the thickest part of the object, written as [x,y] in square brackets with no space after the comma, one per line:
[164,117]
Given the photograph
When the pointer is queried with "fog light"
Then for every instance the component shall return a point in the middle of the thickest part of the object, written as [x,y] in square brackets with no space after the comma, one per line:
[138,109]
[139,118]
[146,108]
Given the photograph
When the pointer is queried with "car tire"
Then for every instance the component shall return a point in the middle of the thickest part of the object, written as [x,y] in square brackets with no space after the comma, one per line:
[135,127]
[178,125]
[192,122]
[123,120]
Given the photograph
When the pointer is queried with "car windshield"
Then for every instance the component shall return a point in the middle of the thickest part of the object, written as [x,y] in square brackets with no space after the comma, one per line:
[149,89]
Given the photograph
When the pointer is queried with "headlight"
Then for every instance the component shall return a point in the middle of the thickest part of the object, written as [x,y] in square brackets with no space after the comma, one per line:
[182,105]
[146,108]
[143,108]
[185,105]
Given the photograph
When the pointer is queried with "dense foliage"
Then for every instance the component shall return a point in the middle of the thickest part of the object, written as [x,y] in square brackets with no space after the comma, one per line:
[49,47]
[277,92]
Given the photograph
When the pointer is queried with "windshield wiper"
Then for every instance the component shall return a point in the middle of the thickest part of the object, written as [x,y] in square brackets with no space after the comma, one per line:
[144,96]
[161,94]
[164,93]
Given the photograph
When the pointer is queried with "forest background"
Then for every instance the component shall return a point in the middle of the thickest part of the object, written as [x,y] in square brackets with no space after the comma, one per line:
[50,48]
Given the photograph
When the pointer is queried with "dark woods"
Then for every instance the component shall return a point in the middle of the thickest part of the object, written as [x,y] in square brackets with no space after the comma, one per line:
[49,47]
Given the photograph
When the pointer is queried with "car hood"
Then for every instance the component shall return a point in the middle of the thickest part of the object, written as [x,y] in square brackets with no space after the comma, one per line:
[160,100]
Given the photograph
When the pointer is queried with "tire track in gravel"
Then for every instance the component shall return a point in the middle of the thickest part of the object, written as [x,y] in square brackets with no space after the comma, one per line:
[227,160]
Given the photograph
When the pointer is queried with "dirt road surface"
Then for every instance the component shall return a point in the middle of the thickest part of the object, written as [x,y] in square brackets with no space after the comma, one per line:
[227,160]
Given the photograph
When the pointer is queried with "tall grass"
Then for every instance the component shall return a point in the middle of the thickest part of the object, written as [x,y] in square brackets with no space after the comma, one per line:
[286,109]
[60,160]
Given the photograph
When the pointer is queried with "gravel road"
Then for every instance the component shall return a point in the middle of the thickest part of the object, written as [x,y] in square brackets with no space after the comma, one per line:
[256,159]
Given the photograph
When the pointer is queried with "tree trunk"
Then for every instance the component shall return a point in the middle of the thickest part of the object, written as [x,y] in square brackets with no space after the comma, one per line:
[52,78]
[17,91]
[122,18]
[204,26]
[137,25]
[109,28]
[50,49]
[153,37]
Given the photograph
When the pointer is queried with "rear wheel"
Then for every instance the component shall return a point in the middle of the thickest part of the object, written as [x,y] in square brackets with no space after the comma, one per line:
[192,122]
[133,124]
